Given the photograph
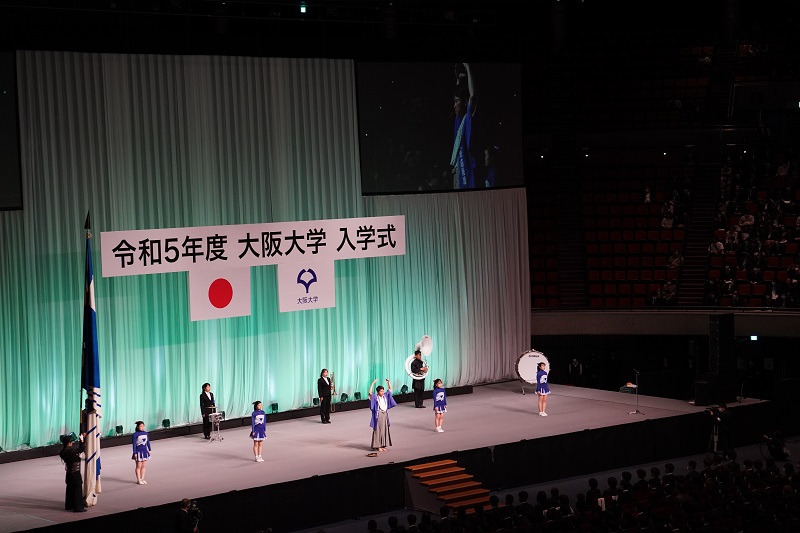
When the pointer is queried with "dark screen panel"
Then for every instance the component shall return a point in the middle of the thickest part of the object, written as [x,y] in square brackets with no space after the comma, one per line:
[410,118]
[10,179]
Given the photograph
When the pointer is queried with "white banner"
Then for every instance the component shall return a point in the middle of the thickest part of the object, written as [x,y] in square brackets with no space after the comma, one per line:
[304,286]
[154,251]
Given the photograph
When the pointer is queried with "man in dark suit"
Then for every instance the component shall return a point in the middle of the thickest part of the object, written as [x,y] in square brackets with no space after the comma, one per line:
[183,520]
[324,388]
[418,367]
[207,406]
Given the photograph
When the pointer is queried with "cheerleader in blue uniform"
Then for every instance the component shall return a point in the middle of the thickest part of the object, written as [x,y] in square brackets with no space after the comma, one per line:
[542,390]
[258,430]
[439,404]
[141,451]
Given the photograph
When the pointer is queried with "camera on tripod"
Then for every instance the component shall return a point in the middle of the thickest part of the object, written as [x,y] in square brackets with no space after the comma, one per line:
[195,513]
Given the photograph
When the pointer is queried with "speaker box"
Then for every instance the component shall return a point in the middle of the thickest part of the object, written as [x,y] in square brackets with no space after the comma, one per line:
[724,387]
[720,343]
[702,393]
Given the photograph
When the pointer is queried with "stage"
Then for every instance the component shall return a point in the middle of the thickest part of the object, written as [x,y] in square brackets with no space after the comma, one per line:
[315,474]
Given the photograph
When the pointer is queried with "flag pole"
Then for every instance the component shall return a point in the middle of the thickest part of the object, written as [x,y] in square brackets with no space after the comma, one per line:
[90,382]
[86,226]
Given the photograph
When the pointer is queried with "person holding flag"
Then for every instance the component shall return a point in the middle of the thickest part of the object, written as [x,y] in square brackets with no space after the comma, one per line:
[90,382]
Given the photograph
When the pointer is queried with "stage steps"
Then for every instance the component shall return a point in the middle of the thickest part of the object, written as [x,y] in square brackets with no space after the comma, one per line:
[429,486]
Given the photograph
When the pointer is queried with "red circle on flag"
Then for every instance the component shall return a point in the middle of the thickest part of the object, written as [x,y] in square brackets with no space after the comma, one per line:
[220,293]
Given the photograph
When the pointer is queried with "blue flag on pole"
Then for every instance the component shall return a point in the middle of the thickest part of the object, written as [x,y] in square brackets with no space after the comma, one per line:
[90,381]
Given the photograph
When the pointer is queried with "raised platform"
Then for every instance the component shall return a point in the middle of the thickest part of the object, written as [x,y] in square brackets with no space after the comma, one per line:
[229,423]
[316,474]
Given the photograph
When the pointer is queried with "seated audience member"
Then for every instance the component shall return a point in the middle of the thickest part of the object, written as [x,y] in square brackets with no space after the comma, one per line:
[594,492]
[655,477]
[524,508]
[641,480]
[564,507]
[713,293]
[670,291]
[735,299]
[494,514]
[747,221]
[675,260]
[581,505]
[716,246]
[669,474]
[508,505]
[554,494]
[611,494]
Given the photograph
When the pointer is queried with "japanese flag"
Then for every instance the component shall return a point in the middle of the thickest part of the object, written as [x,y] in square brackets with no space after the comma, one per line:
[219,293]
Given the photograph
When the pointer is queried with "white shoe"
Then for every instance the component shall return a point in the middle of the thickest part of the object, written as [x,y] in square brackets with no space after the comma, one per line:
[260,459]
[540,413]
[439,430]
[543,413]
[139,482]
[144,482]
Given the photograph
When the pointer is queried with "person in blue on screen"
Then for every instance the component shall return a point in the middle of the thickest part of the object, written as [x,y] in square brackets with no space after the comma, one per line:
[464,104]
[490,161]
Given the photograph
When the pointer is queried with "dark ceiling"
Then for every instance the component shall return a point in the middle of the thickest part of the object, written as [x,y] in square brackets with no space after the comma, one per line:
[502,30]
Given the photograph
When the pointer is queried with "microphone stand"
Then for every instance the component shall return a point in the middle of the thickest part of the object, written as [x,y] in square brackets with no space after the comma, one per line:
[637,411]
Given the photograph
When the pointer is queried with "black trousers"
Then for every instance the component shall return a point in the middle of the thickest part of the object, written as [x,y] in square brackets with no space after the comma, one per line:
[418,392]
[206,426]
[325,408]
[73,498]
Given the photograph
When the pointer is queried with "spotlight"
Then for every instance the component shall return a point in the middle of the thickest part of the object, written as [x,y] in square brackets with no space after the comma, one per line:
[118,429]
[404,389]
[164,423]
[753,337]
[302,8]
[343,397]
[273,407]
[315,401]
[357,395]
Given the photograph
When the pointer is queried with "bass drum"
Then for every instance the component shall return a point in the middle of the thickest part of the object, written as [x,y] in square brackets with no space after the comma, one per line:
[528,364]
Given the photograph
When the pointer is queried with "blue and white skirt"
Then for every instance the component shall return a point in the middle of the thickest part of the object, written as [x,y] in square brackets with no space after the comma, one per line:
[440,410]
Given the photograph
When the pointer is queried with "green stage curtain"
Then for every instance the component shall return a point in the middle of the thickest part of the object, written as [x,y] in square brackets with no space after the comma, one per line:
[149,141]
